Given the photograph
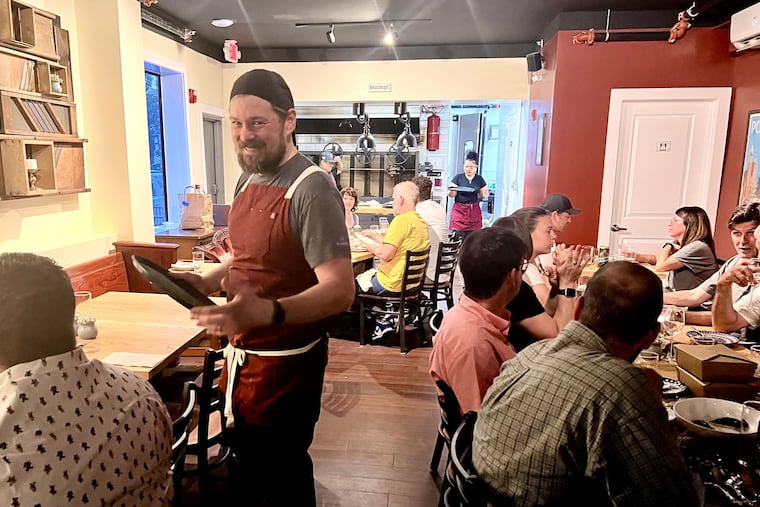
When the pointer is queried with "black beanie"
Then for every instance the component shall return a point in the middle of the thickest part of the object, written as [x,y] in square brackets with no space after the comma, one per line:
[266,85]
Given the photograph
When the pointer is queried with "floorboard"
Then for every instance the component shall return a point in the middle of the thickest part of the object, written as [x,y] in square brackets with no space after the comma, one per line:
[375,436]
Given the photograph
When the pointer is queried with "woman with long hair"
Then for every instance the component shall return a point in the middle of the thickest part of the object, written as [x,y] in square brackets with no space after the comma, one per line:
[690,258]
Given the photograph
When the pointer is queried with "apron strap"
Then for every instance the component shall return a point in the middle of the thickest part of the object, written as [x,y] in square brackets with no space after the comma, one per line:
[235,358]
[306,173]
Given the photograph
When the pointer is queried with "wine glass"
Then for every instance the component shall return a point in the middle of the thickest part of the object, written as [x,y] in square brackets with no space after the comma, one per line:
[673,319]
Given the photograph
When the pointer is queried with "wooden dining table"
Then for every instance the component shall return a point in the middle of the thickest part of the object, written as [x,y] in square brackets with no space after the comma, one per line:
[592,268]
[148,332]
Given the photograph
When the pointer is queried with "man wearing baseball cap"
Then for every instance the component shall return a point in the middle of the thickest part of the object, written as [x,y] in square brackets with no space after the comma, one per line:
[290,274]
[332,164]
[561,209]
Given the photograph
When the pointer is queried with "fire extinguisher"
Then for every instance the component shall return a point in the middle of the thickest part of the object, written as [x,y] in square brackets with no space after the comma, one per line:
[433,132]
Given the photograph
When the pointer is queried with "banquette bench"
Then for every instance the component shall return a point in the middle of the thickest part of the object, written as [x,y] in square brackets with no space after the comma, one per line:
[115,272]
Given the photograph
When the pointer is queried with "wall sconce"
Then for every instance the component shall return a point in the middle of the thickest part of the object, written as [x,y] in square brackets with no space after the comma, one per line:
[391,36]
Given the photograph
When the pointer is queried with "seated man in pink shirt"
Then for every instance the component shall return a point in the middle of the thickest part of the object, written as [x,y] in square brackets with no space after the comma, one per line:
[471,343]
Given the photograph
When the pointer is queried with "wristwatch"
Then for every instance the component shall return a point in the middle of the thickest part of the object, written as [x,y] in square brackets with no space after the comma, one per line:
[568,293]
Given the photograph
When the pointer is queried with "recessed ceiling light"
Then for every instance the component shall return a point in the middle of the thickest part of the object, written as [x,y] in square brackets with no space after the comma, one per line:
[222,23]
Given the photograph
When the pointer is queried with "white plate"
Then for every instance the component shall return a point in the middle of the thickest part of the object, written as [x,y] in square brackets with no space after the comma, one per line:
[183,266]
[720,338]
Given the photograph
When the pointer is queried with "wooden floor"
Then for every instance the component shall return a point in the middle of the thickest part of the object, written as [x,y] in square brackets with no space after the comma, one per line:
[375,436]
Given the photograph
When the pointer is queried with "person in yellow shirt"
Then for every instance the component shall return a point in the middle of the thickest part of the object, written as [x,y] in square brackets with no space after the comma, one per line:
[407,231]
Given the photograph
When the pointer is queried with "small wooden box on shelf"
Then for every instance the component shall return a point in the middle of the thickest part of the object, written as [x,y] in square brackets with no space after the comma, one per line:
[17,26]
[40,150]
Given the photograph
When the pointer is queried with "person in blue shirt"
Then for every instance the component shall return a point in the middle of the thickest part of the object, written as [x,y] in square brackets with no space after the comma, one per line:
[465,214]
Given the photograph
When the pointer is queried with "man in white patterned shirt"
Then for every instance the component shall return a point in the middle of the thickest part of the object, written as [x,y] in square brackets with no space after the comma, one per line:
[73,431]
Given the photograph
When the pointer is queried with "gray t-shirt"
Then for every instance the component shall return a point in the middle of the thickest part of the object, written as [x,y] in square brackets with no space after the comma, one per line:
[711,283]
[317,218]
[698,264]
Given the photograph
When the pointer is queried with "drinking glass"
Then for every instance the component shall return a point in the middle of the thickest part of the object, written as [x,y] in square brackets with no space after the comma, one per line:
[673,319]
[198,258]
[755,263]
[383,224]
[80,296]
[374,228]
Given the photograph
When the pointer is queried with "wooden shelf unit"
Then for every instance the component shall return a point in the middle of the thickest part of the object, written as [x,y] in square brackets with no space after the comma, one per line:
[37,119]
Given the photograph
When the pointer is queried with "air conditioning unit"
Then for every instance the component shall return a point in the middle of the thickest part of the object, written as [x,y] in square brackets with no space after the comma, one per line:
[745,28]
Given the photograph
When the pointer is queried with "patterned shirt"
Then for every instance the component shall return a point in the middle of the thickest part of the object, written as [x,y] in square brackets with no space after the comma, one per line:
[468,351]
[75,431]
[566,422]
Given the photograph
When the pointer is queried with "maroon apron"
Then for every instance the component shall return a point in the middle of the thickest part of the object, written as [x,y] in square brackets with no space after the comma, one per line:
[466,216]
[270,389]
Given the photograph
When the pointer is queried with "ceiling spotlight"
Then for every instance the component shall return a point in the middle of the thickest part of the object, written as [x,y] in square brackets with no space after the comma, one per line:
[391,36]
[222,22]
[331,35]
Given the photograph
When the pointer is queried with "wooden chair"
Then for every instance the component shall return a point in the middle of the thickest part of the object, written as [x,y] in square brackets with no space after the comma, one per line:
[405,305]
[462,486]
[181,430]
[451,418]
[442,286]
[208,433]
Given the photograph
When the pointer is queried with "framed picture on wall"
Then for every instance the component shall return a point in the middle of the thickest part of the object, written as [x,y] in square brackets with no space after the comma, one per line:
[750,187]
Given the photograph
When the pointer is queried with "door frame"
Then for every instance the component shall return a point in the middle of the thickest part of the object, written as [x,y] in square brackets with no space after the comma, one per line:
[721,97]
[208,112]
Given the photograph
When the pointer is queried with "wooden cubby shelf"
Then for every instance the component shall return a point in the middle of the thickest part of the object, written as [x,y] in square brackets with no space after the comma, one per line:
[41,153]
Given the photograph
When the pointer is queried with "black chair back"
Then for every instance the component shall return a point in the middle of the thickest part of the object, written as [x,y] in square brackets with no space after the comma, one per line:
[463,486]
[181,432]
[446,264]
[407,303]
[210,417]
[451,417]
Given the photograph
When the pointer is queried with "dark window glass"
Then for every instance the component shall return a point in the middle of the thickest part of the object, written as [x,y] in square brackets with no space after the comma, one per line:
[156,146]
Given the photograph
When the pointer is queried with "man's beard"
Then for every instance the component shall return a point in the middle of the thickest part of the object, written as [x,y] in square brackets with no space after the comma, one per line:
[267,159]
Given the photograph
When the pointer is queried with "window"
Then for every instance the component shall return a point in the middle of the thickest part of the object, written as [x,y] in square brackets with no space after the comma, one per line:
[167,139]
[156,146]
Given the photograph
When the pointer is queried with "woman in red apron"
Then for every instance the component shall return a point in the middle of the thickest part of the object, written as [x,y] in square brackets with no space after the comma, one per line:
[467,188]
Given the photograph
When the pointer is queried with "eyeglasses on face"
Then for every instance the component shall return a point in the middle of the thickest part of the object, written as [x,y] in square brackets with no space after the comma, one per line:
[675,219]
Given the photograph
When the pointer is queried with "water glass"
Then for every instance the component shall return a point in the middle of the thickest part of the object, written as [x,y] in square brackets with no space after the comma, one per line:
[198,258]
[80,296]
[383,224]
[755,264]
[672,319]
[647,359]
[374,228]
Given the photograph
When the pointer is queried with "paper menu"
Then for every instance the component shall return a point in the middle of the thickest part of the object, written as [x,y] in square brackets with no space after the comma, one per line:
[133,359]
[366,240]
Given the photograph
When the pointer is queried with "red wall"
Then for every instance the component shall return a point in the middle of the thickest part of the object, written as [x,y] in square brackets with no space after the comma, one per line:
[575,92]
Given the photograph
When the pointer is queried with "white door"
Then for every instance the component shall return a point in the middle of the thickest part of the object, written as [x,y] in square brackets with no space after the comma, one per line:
[664,150]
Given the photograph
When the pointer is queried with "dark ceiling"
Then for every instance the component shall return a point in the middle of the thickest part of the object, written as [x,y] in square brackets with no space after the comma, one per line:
[266,31]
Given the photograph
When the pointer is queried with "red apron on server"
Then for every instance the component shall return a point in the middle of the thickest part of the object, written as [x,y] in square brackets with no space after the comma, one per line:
[466,216]
[287,373]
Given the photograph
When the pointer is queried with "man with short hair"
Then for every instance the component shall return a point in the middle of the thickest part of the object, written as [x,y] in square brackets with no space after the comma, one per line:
[571,421]
[435,216]
[742,224]
[472,342]
[73,431]
[561,210]
[406,232]
[290,275]
[734,314]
